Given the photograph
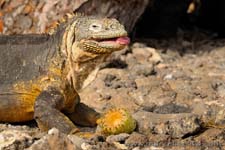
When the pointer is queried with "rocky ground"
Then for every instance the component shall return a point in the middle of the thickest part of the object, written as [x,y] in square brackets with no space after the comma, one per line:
[174,88]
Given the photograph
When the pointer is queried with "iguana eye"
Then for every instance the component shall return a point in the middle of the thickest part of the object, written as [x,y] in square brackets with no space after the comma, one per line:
[95,27]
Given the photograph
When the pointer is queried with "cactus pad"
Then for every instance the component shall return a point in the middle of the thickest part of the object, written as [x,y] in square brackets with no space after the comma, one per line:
[116,121]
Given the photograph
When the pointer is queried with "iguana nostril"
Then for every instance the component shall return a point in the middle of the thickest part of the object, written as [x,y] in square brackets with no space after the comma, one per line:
[113,26]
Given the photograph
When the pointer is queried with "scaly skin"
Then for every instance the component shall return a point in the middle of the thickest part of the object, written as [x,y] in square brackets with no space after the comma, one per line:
[40,75]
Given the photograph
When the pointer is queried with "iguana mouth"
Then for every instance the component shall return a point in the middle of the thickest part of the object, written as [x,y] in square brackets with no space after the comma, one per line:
[119,40]
[106,45]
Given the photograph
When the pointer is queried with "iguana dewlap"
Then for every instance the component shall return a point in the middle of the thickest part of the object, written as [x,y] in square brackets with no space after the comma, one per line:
[40,75]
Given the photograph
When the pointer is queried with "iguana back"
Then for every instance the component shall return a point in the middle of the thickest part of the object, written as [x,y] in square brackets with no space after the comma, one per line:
[23,57]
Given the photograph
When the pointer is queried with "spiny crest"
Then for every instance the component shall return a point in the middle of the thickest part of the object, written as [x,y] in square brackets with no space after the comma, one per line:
[53,27]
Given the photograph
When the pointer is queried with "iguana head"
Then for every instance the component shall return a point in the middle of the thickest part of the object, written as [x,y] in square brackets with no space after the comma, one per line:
[100,36]
[87,41]
[95,35]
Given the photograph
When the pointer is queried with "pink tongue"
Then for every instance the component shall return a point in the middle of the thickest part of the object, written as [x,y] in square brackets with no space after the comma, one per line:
[123,40]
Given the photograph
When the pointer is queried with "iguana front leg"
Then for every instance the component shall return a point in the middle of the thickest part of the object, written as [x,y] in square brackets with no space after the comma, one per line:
[84,115]
[47,112]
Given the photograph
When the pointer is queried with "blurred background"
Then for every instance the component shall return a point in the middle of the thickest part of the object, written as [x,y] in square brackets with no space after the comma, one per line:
[145,18]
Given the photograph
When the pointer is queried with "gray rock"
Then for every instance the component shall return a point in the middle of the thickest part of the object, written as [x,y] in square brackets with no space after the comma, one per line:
[115,82]
[54,140]
[14,139]
[77,141]
[219,87]
[175,125]
[8,20]
[24,22]
[143,53]
[136,139]
[117,138]
[152,92]
[115,63]
[100,146]
[212,136]
[220,117]
[97,137]
[86,146]
[138,45]
[142,70]
[171,108]
[109,79]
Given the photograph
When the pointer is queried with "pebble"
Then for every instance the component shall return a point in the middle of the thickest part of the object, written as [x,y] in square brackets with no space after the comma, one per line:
[117,138]
[136,139]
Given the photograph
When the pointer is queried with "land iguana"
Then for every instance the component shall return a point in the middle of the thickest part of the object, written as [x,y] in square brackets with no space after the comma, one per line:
[41,74]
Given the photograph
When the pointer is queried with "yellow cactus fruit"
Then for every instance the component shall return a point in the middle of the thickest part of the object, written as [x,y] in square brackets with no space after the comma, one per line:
[116,121]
